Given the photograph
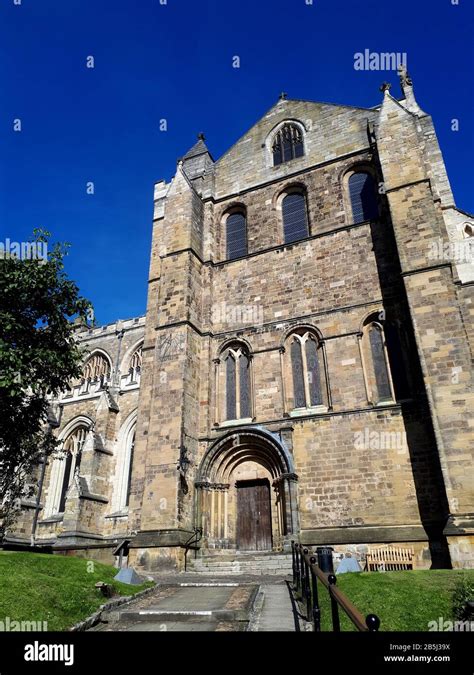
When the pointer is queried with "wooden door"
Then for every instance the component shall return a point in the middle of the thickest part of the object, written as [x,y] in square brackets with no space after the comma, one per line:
[254,525]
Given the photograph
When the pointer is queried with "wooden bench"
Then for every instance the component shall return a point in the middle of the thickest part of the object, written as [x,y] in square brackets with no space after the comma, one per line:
[389,559]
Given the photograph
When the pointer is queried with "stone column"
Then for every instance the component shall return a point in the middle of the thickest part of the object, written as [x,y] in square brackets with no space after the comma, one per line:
[286,485]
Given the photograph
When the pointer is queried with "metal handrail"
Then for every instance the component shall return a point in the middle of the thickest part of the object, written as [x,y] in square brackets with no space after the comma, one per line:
[306,574]
[195,538]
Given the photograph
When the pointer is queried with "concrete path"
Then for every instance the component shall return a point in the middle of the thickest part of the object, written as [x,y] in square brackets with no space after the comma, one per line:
[277,612]
[208,605]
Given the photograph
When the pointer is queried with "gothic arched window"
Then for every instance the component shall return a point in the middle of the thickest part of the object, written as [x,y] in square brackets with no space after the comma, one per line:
[376,363]
[73,448]
[363,197]
[236,378]
[295,220]
[236,235]
[287,144]
[129,466]
[135,367]
[379,361]
[122,479]
[96,370]
[307,382]
[299,396]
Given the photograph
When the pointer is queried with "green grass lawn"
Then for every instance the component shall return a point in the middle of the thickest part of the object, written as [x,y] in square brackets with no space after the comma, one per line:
[54,588]
[403,601]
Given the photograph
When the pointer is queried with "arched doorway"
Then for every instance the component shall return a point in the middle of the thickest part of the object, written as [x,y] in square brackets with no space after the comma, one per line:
[246,492]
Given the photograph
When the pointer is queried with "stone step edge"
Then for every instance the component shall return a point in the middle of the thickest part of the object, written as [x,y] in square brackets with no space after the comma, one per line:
[195,615]
[248,573]
[242,557]
[229,566]
[242,563]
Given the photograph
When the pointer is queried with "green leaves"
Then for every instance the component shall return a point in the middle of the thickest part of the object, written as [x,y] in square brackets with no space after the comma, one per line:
[38,357]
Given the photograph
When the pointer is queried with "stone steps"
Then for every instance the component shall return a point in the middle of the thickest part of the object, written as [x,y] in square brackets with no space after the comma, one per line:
[195,615]
[252,564]
[188,606]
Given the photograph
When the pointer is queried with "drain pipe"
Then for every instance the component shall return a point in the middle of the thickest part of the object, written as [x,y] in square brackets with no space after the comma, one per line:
[119,333]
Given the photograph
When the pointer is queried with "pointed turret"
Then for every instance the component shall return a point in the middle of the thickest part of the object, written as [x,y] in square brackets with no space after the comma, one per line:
[406,84]
[197,160]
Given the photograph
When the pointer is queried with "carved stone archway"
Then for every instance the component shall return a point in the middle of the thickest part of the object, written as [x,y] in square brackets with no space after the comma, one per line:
[248,452]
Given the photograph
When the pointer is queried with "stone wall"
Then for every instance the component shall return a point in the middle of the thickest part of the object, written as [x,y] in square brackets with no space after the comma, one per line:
[368,473]
[352,471]
[89,519]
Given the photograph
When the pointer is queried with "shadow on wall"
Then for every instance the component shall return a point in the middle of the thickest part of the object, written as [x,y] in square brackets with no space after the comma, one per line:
[425,462]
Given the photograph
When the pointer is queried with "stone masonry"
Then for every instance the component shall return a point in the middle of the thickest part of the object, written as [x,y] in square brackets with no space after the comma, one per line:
[350,472]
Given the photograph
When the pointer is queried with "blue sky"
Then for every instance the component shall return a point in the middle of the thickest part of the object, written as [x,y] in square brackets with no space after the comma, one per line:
[173,61]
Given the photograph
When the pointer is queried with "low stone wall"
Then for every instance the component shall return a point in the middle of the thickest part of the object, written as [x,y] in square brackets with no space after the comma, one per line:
[94,619]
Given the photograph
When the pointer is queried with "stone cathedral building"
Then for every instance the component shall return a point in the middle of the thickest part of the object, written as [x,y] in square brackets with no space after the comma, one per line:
[303,370]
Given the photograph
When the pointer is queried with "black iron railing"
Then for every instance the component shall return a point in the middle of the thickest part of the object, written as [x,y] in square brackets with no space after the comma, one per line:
[192,542]
[306,575]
